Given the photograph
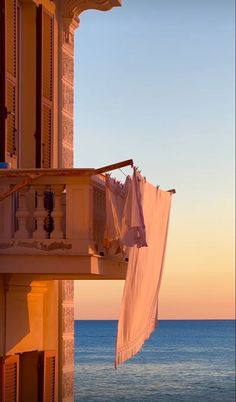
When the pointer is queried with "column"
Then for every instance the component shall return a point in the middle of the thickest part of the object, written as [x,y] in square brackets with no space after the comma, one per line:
[67,93]
[66,335]
[66,363]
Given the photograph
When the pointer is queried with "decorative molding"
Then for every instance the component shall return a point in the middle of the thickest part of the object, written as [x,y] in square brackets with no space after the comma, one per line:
[69,25]
[71,9]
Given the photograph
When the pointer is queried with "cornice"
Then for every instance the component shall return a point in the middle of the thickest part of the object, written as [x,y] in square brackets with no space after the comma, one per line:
[73,8]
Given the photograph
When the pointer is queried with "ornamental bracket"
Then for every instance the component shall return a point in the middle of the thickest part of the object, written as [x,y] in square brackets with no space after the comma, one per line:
[71,9]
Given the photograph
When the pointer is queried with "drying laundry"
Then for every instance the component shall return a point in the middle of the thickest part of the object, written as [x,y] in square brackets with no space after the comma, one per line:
[138,315]
[124,215]
[116,193]
[132,223]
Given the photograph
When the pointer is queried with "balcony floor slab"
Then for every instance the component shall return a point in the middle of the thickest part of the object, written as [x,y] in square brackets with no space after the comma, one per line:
[64,266]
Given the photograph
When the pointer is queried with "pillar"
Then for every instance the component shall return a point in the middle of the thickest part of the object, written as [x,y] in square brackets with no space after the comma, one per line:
[66,353]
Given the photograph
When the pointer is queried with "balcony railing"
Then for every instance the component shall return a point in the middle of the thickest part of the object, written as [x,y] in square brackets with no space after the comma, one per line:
[52,211]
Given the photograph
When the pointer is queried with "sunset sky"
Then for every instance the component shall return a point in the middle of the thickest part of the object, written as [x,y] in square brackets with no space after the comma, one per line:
[154,82]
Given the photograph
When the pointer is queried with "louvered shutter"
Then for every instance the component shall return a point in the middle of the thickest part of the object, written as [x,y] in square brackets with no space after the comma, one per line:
[1,378]
[48,376]
[44,92]
[10,379]
[29,382]
[8,82]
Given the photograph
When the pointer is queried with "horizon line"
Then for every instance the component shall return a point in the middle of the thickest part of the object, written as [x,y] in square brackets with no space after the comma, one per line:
[161,319]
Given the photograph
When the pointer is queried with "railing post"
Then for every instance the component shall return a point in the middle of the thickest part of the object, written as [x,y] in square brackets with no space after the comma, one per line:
[79,221]
[6,215]
[22,215]
[57,213]
[40,213]
[99,218]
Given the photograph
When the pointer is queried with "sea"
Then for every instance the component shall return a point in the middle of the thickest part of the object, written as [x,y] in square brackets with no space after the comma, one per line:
[183,361]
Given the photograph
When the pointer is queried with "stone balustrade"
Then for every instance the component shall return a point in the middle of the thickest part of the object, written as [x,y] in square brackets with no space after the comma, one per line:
[57,210]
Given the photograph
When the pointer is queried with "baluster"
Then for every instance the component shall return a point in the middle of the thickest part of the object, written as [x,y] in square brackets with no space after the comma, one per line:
[57,213]
[48,205]
[40,214]
[22,215]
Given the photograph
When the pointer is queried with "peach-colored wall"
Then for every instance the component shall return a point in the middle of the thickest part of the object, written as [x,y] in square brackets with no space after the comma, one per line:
[51,316]
[32,320]
[32,310]
[32,317]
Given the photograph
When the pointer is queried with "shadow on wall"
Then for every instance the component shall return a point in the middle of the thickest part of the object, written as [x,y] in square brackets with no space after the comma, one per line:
[15,314]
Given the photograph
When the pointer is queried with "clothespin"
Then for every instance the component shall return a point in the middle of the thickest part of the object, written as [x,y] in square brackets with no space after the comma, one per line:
[172,191]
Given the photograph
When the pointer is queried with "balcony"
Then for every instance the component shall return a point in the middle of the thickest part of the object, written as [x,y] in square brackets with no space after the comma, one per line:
[52,222]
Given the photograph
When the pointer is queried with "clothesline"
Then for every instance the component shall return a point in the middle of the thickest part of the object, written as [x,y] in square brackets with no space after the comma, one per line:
[33,174]
[129,162]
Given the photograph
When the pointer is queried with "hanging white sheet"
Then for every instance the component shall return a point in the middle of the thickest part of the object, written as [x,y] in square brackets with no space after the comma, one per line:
[138,314]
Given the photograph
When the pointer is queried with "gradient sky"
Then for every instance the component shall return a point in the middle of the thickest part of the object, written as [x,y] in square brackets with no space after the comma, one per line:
[154,82]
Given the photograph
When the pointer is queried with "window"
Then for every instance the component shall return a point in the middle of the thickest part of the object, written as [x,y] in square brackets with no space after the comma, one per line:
[9,72]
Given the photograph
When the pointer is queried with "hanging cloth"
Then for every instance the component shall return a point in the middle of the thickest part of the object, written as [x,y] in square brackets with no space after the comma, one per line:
[116,194]
[124,215]
[132,223]
[138,314]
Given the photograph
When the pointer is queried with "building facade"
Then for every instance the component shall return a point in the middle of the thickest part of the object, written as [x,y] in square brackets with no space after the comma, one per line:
[51,215]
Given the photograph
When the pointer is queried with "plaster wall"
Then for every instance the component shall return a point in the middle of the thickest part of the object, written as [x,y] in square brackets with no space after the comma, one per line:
[29,321]
[51,316]
[24,320]
[31,317]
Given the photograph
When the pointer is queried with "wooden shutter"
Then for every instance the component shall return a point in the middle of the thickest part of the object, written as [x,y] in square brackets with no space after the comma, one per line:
[1,378]
[29,382]
[10,378]
[48,376]
[44,90]
[8,81]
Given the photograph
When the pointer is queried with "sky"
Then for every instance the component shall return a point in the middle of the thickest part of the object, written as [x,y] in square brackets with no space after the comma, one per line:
[154,81]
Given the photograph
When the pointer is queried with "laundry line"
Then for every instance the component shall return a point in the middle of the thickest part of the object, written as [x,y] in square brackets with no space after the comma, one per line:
[34,174]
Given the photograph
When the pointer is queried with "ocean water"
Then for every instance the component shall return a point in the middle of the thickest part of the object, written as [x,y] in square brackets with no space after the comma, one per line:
[183,361]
